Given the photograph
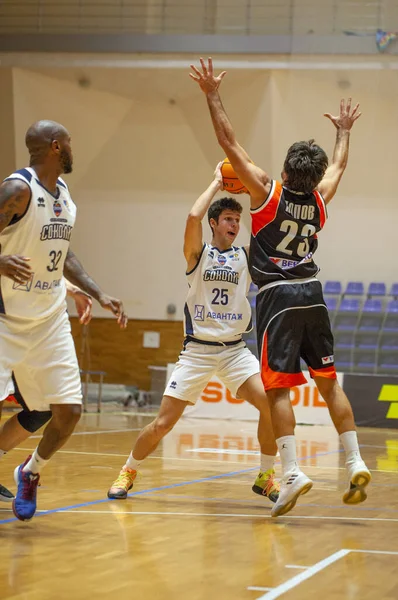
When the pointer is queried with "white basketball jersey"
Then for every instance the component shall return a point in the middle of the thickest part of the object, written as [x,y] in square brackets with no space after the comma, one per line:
[217,308]
[41,234]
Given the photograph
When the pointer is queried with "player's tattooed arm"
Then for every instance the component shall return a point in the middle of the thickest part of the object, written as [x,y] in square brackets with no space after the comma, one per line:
[14,201]
[193,237]
[254,178]
[343,123]
[75,273]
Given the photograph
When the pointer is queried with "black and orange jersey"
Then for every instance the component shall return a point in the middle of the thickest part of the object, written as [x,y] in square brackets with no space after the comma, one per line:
[284,235]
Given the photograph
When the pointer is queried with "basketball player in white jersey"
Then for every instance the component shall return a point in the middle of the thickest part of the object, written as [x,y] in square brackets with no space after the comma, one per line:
[37,216]
[21,425]
[217,313]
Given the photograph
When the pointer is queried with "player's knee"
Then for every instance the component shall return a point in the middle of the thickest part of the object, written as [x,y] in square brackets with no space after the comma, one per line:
[327,387]
[162,426]
[32,420]
[66,416]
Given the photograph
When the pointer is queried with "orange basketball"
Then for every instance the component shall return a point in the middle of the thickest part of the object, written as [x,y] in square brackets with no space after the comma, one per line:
[230,179]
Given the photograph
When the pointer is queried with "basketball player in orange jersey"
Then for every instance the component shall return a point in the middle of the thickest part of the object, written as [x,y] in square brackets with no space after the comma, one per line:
[292,318]
[21,425]
[217,313]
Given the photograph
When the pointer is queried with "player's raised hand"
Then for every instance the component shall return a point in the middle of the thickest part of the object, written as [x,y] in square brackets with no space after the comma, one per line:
[205,77]
[218,176]
[347,117]
[116,307]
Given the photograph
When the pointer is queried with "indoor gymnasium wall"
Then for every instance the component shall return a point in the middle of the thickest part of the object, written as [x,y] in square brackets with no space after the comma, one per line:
[144,149]
[120,353]
[7,145]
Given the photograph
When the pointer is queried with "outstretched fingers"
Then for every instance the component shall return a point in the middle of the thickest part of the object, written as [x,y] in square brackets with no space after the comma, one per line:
[197,72]
[204,68]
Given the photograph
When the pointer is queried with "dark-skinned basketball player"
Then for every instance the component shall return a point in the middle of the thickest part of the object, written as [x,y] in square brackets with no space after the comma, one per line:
[37,215]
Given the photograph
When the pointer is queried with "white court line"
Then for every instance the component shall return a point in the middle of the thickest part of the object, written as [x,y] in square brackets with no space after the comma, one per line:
[224,451]
[296,567]
[94,432]
[319,566]
[383,447]
[203,461]
[249,465]
[242,515]
[254,588]
[295,581]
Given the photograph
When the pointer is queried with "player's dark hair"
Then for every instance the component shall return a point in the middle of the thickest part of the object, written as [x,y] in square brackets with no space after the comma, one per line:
[305,166]
[220,205]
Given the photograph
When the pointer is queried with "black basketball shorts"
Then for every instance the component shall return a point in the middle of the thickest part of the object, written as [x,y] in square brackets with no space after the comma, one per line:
[292,324]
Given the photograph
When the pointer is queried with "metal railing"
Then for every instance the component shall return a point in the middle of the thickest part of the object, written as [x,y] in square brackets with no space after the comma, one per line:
[234,17]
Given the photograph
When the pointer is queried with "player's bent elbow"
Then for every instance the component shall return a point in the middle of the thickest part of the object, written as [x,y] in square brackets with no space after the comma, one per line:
[194,218]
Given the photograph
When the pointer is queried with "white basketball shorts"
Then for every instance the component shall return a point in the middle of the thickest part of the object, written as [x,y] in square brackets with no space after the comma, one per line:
[43,358]
[198,363]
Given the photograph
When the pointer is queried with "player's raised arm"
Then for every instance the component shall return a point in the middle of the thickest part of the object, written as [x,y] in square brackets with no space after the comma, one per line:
[14,201]
[334,172]
[254,178]
[193,237]
[75,273]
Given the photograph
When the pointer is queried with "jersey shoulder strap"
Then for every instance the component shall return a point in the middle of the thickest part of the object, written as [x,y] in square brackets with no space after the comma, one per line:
[22,174]
[323,213]
[266,213]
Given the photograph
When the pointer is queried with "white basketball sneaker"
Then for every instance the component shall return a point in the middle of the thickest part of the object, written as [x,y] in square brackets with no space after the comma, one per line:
[293,485]
[358,478]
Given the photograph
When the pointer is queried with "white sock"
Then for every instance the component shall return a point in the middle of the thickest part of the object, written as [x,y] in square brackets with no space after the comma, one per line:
[267,462]
[2,453]
[132,463]
[35,464]
[349,439]
[288,453]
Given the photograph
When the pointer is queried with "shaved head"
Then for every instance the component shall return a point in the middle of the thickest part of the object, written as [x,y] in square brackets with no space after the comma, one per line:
[49,140]
[41,134]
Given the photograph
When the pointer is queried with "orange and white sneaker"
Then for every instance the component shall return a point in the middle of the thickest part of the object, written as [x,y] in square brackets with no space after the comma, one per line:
[121,485]
[358,478]
[265,485]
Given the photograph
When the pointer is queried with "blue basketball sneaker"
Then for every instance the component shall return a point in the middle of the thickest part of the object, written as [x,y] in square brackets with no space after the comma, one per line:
[24,503]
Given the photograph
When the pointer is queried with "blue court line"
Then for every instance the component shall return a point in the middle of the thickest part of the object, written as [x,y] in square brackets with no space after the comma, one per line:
[158,489]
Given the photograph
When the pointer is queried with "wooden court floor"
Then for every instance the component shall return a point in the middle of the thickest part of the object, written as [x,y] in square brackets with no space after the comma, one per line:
[192,528]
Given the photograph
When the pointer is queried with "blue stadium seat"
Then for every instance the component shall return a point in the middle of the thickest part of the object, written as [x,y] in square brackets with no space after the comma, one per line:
[388,363]
[331,303]
[347,315]
[343,360]
[253,288]
[367,340]
[354,288]
[394,290]
[377,289]
[389,342]
[332,287]
[365,361]
[344,339]
[372,316]
[391,319]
